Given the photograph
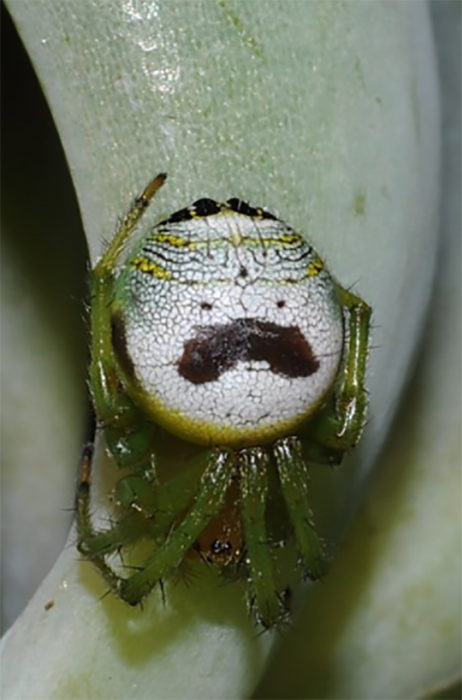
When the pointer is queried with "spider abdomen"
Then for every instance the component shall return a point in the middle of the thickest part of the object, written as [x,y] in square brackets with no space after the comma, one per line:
[232,329]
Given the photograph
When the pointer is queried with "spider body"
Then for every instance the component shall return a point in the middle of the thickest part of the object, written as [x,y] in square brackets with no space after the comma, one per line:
[222,332]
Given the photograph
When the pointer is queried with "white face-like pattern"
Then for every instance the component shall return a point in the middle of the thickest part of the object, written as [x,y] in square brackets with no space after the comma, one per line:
[226,322]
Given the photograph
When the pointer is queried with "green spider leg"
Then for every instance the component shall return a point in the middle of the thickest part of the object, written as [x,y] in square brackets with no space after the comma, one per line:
[85,531]
[208,501]
[265,599]
[336,429]
[294,480]
[151,508]
[338,426]
[210,492]
[113,407]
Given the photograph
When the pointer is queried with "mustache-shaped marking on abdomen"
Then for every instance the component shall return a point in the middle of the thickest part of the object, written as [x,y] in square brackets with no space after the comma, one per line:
[216,349]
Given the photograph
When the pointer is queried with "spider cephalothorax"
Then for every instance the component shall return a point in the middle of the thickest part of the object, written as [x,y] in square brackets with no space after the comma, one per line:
[223,328]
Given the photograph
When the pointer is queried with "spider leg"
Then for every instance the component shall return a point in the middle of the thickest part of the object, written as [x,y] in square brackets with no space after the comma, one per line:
[339,424]
[294,479]
[84,524]
[112,406]
[208,501]
[170,496]
[103,542]
[106,264]
[265,599]
[152,509]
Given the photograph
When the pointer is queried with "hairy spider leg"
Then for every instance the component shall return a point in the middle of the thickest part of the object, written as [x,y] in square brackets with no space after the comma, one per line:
[266,602]
[207,503]
[152,509]
[340,429]
[84,523]
[112,405]
[114,408]
[294,480]
[106,264]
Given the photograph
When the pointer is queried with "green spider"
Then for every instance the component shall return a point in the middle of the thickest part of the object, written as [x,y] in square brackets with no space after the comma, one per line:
[225,358]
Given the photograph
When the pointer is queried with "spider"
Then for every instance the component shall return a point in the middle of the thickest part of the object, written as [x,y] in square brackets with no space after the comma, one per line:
[224,359]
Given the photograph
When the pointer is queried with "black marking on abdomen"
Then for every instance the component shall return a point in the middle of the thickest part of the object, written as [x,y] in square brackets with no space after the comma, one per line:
[217,349]
[241,207]
[208,207]
[119,343]
[201,207]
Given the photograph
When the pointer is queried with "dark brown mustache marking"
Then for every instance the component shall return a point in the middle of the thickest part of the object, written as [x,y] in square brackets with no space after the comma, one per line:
[216,349]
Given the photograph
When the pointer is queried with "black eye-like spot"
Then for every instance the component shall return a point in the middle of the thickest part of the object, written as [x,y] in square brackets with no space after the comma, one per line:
[243,272]
[281,303]
[206,306]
